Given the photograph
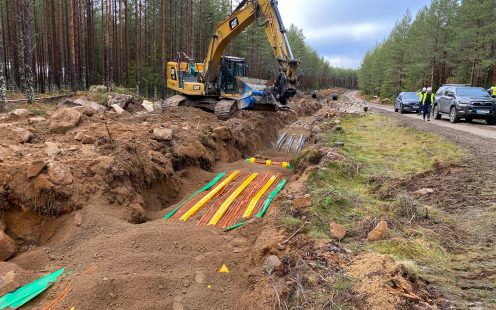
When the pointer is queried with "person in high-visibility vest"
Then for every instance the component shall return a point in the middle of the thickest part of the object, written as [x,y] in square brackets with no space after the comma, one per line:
[494,91]
[421,97]
[427,103]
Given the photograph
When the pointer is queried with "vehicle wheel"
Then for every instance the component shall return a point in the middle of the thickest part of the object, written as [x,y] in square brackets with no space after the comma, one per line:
[395,108]
[437,115]
[491,121]
[469,119]
[453,117]
[401,109]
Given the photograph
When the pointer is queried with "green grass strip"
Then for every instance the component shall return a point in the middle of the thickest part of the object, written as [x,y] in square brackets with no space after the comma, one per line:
[235,226]
[270,198]
[205,188]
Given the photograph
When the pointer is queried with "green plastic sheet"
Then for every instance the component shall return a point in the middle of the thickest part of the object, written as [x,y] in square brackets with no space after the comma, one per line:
[205,188]
[27,292]
[270,198]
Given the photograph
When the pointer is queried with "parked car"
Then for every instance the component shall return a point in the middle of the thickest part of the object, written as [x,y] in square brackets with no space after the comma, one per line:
[466,102]
[407,102]
[442,90]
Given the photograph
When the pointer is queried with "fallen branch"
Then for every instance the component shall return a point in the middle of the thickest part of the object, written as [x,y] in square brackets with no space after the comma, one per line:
[295,233]
[41,98]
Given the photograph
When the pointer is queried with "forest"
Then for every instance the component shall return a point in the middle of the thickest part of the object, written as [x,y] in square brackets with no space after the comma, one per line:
[449,41]
[60,45]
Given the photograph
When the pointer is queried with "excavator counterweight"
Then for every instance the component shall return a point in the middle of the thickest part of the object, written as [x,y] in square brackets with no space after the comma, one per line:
[219,84]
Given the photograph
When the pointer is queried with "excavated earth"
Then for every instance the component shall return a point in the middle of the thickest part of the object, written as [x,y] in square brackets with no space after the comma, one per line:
[87,191]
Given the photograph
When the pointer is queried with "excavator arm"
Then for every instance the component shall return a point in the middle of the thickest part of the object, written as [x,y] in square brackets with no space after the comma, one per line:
[266,14]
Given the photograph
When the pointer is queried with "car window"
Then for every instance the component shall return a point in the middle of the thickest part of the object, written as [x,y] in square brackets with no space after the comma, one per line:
[441,90]
[471,92]
[410,96]
[447,90]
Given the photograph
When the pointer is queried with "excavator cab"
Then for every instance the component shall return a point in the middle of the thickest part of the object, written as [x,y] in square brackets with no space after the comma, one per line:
[230,69]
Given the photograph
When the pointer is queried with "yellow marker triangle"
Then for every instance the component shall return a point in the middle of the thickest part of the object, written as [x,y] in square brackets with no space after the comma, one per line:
[209,286]
[224,269]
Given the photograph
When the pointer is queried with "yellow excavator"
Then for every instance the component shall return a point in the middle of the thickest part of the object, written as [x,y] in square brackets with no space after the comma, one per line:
[219,84]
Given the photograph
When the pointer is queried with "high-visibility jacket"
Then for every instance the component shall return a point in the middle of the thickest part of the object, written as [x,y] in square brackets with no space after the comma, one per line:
[425,97]
[494,91]
[419,95]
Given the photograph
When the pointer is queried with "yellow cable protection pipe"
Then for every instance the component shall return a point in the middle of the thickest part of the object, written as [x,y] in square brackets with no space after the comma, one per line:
[200,204]
[257,197]
[225,205]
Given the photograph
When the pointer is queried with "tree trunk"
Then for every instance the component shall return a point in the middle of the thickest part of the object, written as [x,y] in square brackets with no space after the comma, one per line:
[72,52]
[164,60]
[137,37]
[28,50]
[3,89]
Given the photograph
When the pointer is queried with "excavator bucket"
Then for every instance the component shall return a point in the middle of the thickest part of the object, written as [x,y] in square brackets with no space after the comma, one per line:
[254,95]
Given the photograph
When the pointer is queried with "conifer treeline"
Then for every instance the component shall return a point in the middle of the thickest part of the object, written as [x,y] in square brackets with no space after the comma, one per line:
[449,41]
[54,45]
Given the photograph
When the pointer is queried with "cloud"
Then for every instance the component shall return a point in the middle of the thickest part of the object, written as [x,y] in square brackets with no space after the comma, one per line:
[343,31]
[358,31]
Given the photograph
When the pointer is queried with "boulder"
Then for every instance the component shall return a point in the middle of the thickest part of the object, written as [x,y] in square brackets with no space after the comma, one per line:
[59,174]
[157,106]
[117,109]
[162,134]
[21,135]
[337,231]
[7,246]
[36,168]
[52,149]
[18,113]
[316,129]
[64,120]
[271,264]
[147,105]
[302,202]
[223,133]
[88,139]
[90,104]
[98,89]
[126,102]
[380,232]
[79,136]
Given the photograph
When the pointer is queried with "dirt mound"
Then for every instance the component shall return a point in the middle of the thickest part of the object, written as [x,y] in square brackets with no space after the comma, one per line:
[387,284]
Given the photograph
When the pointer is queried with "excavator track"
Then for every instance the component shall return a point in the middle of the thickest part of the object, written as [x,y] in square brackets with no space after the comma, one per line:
[224,109]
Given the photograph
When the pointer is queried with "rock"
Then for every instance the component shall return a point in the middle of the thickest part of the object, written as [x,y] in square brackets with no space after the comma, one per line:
[78,219]
[200,277]
[64,120]
[157,106]
[162,134]
[316,129]
[337,231]
[117,109]
[424,191]
[135,213]
[85,111]
[302,202]
[380,232]
[147,105]
[79,136]
[338,144]
[36,168]
[126,102]
[7,246]
[21,135]
[18,113]
[59,174]
[88,139]
[223,133]
[36,119]
[90,104]
[271,264]
[52,149]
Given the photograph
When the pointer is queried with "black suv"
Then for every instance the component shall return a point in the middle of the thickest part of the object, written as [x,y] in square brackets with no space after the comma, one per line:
[465,102]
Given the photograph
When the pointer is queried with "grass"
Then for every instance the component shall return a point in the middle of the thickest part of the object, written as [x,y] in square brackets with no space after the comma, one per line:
[344,191]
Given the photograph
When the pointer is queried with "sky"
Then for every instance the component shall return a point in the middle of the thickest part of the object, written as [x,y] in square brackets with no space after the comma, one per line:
[342,31]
